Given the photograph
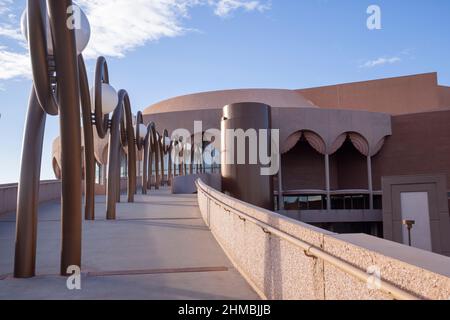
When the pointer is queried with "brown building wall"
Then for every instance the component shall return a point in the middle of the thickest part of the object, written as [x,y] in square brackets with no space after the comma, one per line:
[420,144]
[394,96]
[444,96]
[303,168]
[350,168]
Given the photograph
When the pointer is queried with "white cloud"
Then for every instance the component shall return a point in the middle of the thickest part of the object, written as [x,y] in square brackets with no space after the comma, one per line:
[380,62]
[13,65]
[7,30]
[118,26]
[5,6]
[225,7]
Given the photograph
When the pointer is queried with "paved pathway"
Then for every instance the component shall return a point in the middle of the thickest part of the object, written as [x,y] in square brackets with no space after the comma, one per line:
[159,248]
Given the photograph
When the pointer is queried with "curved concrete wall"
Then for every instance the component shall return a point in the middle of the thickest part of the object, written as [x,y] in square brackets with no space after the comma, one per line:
[278,269]
[218,99]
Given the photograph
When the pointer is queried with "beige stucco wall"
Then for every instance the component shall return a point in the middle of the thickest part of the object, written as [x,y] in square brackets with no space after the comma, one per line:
[278,269]
[49,190]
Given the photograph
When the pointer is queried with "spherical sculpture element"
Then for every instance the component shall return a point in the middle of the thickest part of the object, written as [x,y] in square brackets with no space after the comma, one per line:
[79,22]
[24,30]
[110,98]
[142,131]
[167,142]
[82,28]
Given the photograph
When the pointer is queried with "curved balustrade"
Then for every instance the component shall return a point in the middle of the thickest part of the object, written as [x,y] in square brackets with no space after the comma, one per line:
[285,259]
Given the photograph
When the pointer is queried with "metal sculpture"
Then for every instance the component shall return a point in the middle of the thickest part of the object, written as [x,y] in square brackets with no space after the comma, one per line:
[100,118]
[56,92]
[60,83]
[167,145]
[121,134]
[155,147]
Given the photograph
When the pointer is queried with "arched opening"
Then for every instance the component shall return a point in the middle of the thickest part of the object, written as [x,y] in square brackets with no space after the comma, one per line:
[348,168]
[348,179]
[303,168]
[303,172]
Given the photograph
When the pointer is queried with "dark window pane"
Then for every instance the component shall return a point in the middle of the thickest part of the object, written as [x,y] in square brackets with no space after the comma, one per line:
[358,202]
[324,202]
[303,203]
[337,203]
[315,202]
[348,203]
[291,203]
[377,202]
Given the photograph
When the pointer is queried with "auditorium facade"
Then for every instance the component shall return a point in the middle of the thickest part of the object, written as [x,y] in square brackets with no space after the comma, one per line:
[366,157]
[369,157]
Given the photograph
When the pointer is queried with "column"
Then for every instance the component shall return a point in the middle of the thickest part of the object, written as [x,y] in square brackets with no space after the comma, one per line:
[369,177]
[327,180]
[280,186]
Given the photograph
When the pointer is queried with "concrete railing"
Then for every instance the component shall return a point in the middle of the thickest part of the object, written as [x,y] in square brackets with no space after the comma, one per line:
[49,190]
[286,259]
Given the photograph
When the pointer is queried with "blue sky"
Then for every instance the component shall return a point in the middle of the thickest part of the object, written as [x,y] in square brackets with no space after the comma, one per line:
[158,49]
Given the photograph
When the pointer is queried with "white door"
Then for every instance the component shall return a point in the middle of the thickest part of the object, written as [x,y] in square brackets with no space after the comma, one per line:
[415,206]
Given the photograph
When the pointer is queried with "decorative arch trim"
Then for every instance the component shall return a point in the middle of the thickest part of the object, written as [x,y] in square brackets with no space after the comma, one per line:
[360,143]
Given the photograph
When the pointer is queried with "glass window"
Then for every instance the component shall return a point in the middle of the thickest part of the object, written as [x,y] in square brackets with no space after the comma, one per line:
[358,202]
[324,203]
[303,202]
[337,202]
[291,203]
[378,202]
[315,203]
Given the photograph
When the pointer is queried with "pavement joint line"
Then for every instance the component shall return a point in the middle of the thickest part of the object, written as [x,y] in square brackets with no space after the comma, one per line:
[157,271]
[134,272]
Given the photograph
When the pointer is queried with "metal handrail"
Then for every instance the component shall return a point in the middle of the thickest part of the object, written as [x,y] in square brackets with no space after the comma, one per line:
[312,251]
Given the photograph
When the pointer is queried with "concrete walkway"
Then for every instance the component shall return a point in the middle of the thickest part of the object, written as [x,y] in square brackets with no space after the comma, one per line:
[159,248]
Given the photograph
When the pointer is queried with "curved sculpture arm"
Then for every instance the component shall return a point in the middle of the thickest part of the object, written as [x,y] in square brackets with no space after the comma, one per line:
[139,121]
[166,148]
[40,59]
[147,160]
[101,77]
[89,210]
[128,142]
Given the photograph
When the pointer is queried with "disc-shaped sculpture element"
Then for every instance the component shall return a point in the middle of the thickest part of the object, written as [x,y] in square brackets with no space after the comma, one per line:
[101,78]
[78,21]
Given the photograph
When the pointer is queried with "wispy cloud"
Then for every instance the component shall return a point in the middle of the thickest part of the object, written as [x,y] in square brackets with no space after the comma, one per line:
[225,7]
[380,62]
[117,27]
[9,31]
[5,6]
[13,65]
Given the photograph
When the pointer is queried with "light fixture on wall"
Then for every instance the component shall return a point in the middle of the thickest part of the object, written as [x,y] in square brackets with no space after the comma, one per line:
[409,225]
